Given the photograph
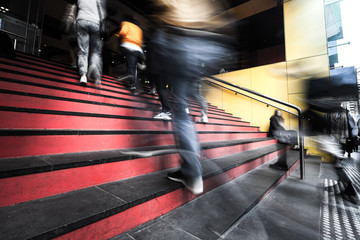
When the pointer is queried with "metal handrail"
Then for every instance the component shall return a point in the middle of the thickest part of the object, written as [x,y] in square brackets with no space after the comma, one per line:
[298,109]
[14,34]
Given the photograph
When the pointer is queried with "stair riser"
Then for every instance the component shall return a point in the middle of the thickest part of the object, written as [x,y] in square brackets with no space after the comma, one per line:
[70,84]
[223,151]
[149,210]
[21,146]
[73,74]
[73,79]
[30,187]
[35,186]
[10,100]
[56,74]
[19,101]
[85,96]
[23,120]
[69,95]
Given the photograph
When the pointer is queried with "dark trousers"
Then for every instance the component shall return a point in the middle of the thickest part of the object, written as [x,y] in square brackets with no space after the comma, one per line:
[176,59]
[132,58]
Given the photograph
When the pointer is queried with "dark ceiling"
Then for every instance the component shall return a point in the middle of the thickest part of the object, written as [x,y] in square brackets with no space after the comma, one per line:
[147,6]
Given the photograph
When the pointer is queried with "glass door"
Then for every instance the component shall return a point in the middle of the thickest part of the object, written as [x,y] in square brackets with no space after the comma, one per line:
[22,21]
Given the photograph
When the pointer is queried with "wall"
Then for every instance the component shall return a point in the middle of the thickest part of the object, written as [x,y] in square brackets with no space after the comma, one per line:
[306,56]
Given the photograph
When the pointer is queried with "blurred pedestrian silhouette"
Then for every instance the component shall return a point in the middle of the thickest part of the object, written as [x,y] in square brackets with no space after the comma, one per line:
[185,38]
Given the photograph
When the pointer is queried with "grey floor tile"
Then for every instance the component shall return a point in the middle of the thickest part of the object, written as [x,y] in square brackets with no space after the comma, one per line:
[161,230]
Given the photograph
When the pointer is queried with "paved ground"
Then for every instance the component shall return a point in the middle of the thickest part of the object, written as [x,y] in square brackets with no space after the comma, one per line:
[290,211]
[313,208]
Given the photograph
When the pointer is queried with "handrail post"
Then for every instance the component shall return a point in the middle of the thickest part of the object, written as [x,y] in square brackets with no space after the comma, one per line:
[301,145]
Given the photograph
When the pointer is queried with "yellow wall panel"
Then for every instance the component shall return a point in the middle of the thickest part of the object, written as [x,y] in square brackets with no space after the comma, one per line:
[238,105]
[301,70]
[241,78]
[263,80]
[305,31]
[213,95]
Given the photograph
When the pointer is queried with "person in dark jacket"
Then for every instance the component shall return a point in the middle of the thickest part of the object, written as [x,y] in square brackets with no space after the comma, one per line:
[277,126]
[276,123]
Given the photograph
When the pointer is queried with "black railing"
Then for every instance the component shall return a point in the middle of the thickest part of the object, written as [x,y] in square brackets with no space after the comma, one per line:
[298,109]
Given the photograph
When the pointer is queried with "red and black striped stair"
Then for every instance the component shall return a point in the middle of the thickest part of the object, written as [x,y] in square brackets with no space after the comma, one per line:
[91,163]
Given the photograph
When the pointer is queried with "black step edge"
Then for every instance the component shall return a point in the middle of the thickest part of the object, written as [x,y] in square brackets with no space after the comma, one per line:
[12,167]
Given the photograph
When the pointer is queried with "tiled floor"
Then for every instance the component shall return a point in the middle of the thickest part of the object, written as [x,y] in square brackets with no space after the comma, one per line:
[341,212]
[312,208]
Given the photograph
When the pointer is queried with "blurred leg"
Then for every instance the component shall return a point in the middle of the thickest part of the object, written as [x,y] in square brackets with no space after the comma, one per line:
[96,45]
[83,43]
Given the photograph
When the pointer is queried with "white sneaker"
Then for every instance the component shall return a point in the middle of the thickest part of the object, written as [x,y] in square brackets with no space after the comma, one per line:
[163,116]
[203,119]
[187,110]
[83,80]
[196,185]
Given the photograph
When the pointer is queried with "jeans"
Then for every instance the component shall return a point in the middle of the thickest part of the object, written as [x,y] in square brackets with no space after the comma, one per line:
[88,37]
[176,59]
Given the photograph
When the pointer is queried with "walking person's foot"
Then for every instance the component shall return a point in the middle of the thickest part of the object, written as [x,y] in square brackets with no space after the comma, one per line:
[194,185]
[83,80]
[163,116]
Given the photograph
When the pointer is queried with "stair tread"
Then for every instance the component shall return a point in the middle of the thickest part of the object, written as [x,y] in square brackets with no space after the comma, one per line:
[154,105]
[209,215]
[59,214]
[118,84]
[36,164]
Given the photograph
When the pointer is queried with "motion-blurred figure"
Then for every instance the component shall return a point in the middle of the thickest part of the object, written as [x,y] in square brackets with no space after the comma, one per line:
[131,37]
[89,39]
[68,25]
[341,127]
[185,39]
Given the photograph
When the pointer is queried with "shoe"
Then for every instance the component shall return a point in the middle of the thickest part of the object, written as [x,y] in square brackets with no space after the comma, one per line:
[163,116]
[152,91]
[279,166]
[203,119]
[83,80]
[187,110]
[193,185]
[296,147]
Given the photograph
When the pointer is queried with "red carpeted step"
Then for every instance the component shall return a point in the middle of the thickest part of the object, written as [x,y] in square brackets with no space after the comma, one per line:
[26,118]
[104,211]
[79,93]
[81,170]
[117,84]
[26,142]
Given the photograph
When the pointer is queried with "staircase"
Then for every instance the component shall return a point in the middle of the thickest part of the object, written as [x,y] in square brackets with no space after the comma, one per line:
[91,163]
